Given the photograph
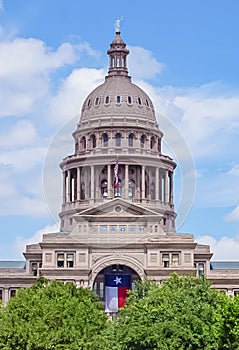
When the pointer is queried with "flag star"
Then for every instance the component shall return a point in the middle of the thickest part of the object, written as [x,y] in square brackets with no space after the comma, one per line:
[117,280]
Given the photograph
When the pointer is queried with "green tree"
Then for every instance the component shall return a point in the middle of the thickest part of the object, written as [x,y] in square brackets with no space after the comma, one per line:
[52,315]
[181,314]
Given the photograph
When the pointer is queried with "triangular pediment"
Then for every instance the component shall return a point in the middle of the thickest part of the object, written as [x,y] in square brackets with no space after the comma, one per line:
[115,209]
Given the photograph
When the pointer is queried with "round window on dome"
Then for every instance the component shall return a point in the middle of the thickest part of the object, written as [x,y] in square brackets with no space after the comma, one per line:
[107,100]
[89,103]
[139,101]
[118,99]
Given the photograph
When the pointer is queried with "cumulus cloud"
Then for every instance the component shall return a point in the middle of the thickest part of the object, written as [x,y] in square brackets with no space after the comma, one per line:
[224,249]
[142,64]
[68,100]
[21,242]
[18,135]
[233,216]
[25,80]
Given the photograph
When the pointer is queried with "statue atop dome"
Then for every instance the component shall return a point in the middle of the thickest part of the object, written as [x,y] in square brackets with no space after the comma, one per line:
[117,24]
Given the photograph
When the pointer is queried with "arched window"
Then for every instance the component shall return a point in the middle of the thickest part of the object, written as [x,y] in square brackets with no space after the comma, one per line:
[131,140]
[107,100]
[131,188]
[152,190]
[83,143]
[104,188]
[152,142]
[105,140]
[139,101]
[118,99]
[93,141]
[97,101]
[118,139]
[142,141]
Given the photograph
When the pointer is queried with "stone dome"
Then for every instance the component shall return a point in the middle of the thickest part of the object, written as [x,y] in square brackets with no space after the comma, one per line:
[118,96]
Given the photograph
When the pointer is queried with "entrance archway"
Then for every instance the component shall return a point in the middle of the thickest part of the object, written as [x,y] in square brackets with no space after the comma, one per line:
[115,269]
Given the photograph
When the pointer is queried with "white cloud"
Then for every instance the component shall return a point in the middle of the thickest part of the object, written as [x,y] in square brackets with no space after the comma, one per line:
[68,101]
[142,64]
[233,216]
[21,242]
[224,249]
[27,79]
[18,135]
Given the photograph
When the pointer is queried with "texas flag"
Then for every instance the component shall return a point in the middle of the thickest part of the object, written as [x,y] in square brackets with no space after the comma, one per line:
[116,291]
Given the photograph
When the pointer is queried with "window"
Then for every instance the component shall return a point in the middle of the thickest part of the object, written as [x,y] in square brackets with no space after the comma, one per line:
[60,260]
[89,103]
[131,140]
[139,101]
[147,103]
[118,139]
[200,269]
[105,140]
[165,260]
[83,142]
[152,142]
[1,294]
[175,260]
[118,100]
[97,101]
[107,100]
[93,141]
[142,141]
[131,188]
[104,188]
[70,259]
[34,269]
[13,293]
[235,292]
[129,100]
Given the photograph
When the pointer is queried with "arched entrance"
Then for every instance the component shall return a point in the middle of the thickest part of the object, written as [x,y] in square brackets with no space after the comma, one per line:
[116,272]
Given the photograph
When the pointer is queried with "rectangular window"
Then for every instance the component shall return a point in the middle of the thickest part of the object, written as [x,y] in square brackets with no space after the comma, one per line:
[60,260]
[12,293]
[1,294]
[165,260]
[70,259]
[175,260]
[236,292]
[34,269]
[200,269]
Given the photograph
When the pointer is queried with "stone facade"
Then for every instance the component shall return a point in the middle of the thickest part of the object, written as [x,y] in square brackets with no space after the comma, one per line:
[118,207]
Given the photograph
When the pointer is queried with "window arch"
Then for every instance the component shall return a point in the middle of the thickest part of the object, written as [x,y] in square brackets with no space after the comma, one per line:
[131,188]
[93,141]
[83,143]
[104,188]
[152,142]
[105,139]
[118,139]
[131,140]
[142,141]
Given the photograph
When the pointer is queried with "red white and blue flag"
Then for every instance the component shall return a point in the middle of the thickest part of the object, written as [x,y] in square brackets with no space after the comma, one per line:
[116,291]
[116,168]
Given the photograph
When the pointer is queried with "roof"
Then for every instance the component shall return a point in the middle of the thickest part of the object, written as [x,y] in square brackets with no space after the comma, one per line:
[12,264]
[224,265]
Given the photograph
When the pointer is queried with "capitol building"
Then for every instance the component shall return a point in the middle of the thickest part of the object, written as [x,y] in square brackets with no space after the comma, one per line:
[117,215]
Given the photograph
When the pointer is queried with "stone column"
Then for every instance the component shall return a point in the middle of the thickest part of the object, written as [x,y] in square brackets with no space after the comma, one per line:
[143,182]
[92,182]
[126,182]
[78,183]
[157,184]
[68,186]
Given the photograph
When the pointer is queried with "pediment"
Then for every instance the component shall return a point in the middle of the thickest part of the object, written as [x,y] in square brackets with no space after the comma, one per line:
[116,209]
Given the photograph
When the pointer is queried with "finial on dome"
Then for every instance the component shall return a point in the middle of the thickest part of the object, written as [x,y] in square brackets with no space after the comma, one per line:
[117,24]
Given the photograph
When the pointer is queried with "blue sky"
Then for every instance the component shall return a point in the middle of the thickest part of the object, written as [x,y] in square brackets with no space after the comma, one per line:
[53,53]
